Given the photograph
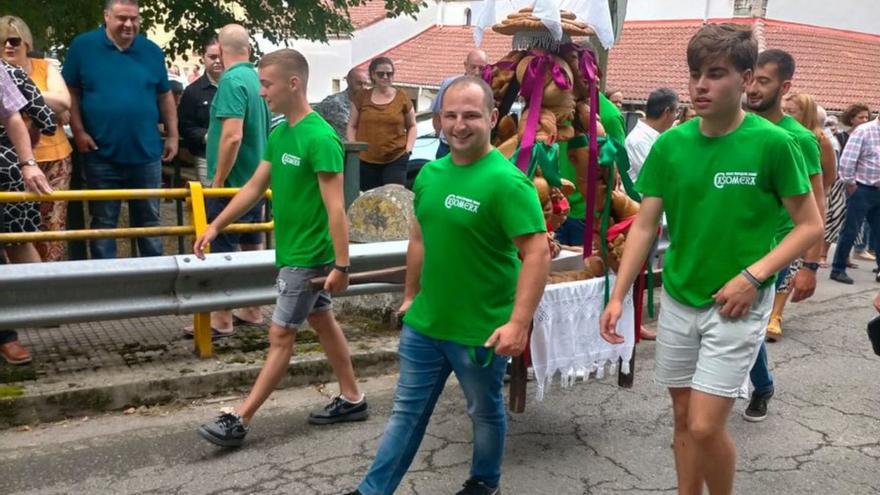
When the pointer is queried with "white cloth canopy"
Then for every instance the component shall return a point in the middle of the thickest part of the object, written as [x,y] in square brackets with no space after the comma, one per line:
[565,338]
[596,13]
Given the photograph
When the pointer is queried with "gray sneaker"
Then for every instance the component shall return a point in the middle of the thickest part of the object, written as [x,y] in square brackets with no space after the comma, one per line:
[757,409]
[226,431]
[340,410]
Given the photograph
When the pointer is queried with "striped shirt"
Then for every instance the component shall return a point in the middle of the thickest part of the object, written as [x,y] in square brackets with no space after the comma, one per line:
[860,161]
[11,99]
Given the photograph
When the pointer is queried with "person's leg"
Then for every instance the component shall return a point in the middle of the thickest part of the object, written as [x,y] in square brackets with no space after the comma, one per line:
[371,175]
[23,253]
[872,217]
[762,379]
[54,213]
[145,212]
[783,285]
[252,241]
[861,242]
[483,389]
[221,320]
[423,373]
[715,450]
[856,205]
[395,172]
[336,349]
[687,473]
[104,214]
[281,342]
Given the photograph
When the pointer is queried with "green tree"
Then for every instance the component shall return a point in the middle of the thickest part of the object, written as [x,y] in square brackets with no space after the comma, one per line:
[56,22]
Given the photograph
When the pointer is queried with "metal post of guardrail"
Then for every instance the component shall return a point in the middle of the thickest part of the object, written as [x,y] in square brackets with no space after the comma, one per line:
[201,321]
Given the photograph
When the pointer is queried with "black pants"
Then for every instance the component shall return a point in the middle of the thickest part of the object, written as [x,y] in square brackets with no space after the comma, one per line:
[375,175]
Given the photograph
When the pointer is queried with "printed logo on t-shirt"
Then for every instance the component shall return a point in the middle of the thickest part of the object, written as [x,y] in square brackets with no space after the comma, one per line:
[467,204]
[723,179]
[288,159]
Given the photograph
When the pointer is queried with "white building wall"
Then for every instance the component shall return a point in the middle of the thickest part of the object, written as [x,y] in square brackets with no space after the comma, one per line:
[852,15]
[653,10]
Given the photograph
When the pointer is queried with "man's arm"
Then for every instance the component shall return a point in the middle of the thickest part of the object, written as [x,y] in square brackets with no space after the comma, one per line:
[84,142]
[243,201]
[638,244]
[190,130]
[57,96]
[805,280]
[168,110]
[230,142]
[415,256]
[331,186]
[512,338]
[849,160]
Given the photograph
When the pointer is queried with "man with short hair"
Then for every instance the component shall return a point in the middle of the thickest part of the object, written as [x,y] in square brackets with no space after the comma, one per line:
[194,112]
[860,170]
[238,126]
[733,172]
[303,163]
[336,108]
[469,300]
[119,90]
[772,81]
[474,62]
[660,112]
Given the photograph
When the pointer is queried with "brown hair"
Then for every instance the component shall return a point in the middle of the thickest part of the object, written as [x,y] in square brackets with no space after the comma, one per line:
[809,111]
[851,111]
[728,41]
[488,98]
[290,61]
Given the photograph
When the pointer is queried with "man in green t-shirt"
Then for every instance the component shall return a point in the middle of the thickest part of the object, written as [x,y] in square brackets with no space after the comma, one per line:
[234,143]
[303,162]
[476,266]
[722,180]
[773,75]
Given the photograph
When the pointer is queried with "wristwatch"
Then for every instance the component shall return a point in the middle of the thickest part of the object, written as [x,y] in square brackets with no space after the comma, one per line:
[811,265]
[343,269]
[28,163]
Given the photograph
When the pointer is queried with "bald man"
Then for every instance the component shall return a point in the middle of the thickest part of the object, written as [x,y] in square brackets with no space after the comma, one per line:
[473,66]
[238,127]
[336,108]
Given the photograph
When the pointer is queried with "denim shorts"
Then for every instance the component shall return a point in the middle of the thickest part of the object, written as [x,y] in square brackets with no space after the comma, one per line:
[296,298]
[227,242]
[698,348]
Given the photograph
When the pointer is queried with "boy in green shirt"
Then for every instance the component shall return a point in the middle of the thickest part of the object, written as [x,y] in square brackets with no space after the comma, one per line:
[303,163]
[773,74]
[722,180]
[469,300]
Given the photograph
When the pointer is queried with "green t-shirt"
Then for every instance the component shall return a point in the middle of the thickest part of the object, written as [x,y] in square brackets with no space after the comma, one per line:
[576,203]
[469,215]
[810,154]
[238,96]
[612,119]
[722,197]
[297,153]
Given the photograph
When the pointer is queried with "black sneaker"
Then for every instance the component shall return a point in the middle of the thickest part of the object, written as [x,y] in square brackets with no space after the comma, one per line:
[339,410]
[474,487]
[841,277]
[353,493]
[226,431]
[757,410]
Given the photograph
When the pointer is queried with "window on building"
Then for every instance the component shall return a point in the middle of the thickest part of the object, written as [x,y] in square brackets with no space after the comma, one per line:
[742,7]
[467,17]
[336,85]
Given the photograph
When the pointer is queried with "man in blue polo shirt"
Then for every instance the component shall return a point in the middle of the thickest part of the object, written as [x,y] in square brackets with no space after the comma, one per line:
[119,87]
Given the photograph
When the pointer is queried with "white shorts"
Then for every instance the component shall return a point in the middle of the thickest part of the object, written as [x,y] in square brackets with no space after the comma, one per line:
[698,348]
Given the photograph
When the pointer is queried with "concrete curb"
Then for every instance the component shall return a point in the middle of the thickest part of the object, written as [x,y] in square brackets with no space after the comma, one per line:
[54,403]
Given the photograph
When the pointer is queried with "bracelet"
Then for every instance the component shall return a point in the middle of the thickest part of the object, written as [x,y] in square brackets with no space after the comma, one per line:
[751,278]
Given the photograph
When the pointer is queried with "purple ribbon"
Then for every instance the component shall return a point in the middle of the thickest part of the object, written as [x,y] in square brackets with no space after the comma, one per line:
[588,68]
[532,88]
[501,64]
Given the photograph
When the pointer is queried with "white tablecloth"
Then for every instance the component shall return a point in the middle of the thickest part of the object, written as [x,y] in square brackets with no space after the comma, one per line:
[566,338]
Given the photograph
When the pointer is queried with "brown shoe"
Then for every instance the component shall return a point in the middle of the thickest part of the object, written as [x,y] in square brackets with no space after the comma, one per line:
[646,333]
[15,353]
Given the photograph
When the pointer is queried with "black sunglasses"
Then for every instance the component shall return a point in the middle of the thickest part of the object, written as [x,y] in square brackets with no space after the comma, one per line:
[382,73]
[15,42]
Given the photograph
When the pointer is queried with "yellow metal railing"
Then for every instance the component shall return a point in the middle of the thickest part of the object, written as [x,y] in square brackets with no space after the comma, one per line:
[194,195]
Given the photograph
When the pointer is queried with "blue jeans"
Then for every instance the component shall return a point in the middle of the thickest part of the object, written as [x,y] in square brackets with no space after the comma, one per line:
[571,232]
[425,364]
[863,240]
[142,212]
[229,242]
[760,374]
[864,204]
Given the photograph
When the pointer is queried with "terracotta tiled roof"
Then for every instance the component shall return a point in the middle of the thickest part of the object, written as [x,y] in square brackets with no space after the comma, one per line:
[367,14]
[439,52]
[833,65]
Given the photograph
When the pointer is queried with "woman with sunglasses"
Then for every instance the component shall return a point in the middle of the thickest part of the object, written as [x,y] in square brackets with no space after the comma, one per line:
[53,153]
[384,118]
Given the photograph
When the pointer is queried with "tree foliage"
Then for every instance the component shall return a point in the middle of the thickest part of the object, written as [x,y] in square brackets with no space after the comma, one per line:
[56,22]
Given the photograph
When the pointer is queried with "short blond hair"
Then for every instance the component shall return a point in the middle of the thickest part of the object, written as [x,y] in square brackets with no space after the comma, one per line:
[12,24]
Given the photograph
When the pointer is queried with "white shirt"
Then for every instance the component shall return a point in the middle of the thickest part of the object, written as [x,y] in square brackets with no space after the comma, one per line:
[638,144]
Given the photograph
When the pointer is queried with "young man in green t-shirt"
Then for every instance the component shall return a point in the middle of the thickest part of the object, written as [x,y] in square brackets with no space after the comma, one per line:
[722,180]
[469,300]
[773,75]
[303,162]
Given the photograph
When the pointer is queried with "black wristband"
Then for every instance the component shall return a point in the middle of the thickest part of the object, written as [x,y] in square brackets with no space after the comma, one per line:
[751,278]
[343,269]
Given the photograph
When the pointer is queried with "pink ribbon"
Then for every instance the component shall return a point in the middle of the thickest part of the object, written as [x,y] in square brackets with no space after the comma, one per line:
[588,68]
[532,88]
[501,64]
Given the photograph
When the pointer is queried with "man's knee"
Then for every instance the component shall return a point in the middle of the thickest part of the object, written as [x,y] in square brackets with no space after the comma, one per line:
[281,338]
[702,429]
